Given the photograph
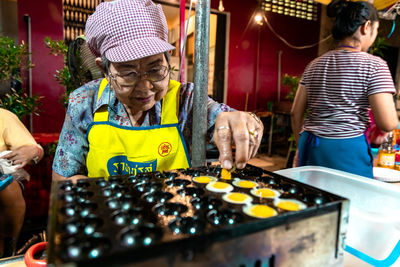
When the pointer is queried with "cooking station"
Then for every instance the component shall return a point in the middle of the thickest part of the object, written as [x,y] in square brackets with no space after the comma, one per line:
[176,218]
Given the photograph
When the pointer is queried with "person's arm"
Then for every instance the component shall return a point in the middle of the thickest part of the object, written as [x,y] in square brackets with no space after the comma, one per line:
[384,111]
[19,140]
[297,111]
[74,178]
[70,157]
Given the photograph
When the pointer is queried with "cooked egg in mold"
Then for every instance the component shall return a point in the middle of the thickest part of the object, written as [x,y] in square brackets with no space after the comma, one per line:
[259,211]
[204,179]
[289,204]
[265,192]
[219,187]
[244,183]
[237,198]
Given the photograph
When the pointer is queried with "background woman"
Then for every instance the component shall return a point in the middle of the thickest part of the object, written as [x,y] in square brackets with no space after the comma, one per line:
[338,89]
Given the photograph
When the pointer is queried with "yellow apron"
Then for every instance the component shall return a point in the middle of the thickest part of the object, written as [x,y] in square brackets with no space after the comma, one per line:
[115,149]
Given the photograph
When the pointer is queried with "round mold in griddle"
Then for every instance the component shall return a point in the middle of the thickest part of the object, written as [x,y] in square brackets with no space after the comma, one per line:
[82,184]
[194,172]
[68,197]
[91,247]
[107,191]
[157,196]
[69,210]
[119,190]
[224,217]
[269,181]
[249,171]
[116,180]
[68,186]
[132,216]
[113,203]
[170,175]
[214,170]
[177,182]
[144,177]
[186,225]
[292,189]
[148,187]
[139,178]
[86,208]
[72,227]
[71,249]
[140,235]
[191,191]
[170,208]
[206,203]
[91,223]
[116,186]
[101,182]
[85,194]
[314,199]
[128,202]
[96,246]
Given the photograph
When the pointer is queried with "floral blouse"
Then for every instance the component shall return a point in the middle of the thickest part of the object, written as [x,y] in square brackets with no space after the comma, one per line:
[73,146]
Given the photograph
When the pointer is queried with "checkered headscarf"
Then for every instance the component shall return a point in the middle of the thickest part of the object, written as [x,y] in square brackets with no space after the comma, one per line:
[125,30]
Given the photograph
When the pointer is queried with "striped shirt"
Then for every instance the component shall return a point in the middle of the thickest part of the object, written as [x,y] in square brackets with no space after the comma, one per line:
[338,85]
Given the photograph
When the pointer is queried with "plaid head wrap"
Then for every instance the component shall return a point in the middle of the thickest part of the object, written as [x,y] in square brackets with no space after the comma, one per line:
[125,30]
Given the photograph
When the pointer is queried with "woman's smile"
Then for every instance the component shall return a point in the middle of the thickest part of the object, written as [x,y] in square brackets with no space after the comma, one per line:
[144,99]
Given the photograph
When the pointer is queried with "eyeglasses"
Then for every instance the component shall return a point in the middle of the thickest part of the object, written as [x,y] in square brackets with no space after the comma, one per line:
[155,74]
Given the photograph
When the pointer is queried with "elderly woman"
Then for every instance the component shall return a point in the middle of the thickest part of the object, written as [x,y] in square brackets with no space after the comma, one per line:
[136,119]
[338,89]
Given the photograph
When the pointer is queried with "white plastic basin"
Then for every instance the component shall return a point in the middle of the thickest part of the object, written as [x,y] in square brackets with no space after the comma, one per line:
[373,234]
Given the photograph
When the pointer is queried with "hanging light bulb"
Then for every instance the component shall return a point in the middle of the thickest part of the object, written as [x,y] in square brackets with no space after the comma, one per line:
[258,19]
[221,6]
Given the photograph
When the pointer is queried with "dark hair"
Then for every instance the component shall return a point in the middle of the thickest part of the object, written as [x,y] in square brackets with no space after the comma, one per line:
[105,63]
[349,16]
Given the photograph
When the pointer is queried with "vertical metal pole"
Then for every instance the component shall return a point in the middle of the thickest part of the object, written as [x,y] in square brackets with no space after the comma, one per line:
[182,40]
[201,50]
[257,80]
[27,18]
[279,75]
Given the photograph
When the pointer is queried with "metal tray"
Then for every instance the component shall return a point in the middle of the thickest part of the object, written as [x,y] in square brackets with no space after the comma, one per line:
[157,218]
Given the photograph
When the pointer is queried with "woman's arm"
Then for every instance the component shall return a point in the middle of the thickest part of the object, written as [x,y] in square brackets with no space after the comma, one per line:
[297,112]
[57,177]
[384,111]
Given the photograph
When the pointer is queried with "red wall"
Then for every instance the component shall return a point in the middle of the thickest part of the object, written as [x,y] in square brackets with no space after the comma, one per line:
[243,53]
[46,20]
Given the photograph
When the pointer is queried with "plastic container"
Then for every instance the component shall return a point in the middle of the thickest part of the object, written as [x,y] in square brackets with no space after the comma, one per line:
[373,234]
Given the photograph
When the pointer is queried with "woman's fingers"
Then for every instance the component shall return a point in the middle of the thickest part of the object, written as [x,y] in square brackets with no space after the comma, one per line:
[240,129]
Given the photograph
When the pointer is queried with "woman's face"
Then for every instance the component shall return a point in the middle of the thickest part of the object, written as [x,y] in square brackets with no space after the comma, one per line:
[140,83]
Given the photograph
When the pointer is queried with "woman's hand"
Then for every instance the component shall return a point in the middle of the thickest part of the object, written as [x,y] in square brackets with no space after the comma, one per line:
[23,155]
[243,129]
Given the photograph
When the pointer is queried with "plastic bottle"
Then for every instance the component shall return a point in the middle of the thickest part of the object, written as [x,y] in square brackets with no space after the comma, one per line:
[386,155]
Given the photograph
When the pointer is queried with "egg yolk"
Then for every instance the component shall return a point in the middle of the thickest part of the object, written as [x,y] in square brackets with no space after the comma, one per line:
[288,205]
[220,185]
[246,184]
[262,211]
[202,179]
[237,197]
[264,192]
[226,175]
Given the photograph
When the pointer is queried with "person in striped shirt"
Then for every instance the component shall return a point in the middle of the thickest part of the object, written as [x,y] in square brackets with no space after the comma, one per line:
[338,89]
